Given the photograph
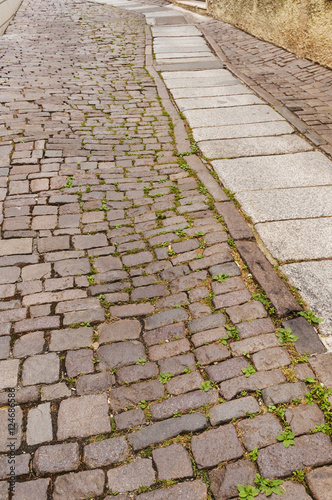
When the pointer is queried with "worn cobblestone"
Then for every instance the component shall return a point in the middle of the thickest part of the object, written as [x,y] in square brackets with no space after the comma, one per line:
[103,330]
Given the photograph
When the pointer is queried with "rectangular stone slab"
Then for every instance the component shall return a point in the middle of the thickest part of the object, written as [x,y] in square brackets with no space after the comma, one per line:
[236,131]
[309,342]
[161,31]
[307,239]
[217,102]
[314,281]
[230,116]
[210,73]
[271,172]
[253,146]
[164,41]
[172,48]
[281,298]
[283,204]
[182,55]
[210,91]
[214,81]
[206,64]
[185,59]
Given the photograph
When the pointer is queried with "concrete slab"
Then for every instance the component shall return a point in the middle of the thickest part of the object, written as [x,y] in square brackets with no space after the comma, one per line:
[210,73]
[247,130]
[231,116]
[271,172]
[171,31]
[167,41]
[314,282]
[253,146]
[283,204]
[167,20]
[186,60]
[218,102]
[207,63]
[210,91]
[306,239]
[174,49]
[181,55]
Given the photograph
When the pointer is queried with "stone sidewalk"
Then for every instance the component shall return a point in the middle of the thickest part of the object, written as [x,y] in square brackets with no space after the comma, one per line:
[140,356]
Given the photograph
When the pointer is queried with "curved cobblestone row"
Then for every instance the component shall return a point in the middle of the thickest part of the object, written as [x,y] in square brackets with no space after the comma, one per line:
[135,362]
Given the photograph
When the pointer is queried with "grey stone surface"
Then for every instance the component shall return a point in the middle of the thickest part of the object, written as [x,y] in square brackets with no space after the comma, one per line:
[4,431]
[31,490]
[42,368]
[121,354]
[170,31]
[70,338]
[39,427]
[284,393]
[195,490]
[271,358]
[308,341]
[259,380]
[224,481]
[159,432]
[308,451]
[322,364]
[320,482]
[297,239]
[216,445]
[218,102]
[252,146]
[21,465]
[217,91]
[56,458]
[282,204]
[29,344]
[125,329]
[274,172]
[233,409]
[224,78]
[8,373]
[123,397]
[189,401]
[106,452]
[83,416]
[291,491]
[130,477]
[235,131]
[172,462]
[304,418]
[260,431]
[314,282]
[229,116]
[79,485]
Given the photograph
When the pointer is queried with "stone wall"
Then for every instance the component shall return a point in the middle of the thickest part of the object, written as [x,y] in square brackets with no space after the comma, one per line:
[8,9]
[301,26]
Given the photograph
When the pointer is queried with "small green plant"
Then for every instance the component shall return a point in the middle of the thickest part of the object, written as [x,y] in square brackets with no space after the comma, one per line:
[187,370]
[268,486]
[171,252]
[247,492]
[233,332]
[254,454]
[69,183]
[206,385]
[85,323]
[311,317]
[285,335]
[249,370]
[143,404]
[231,242]
[160,216]
[101,297]
[91,280]
[165,377]
[220,277]
[299,476]
[286,437]
[141,361]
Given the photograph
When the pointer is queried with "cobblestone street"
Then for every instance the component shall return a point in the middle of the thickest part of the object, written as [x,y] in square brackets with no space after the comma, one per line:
[148,348]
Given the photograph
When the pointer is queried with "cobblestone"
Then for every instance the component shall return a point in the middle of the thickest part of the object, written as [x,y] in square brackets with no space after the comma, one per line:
[95,305]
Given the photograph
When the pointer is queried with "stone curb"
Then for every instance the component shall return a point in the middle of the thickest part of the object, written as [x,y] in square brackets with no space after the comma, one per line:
[278,293]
